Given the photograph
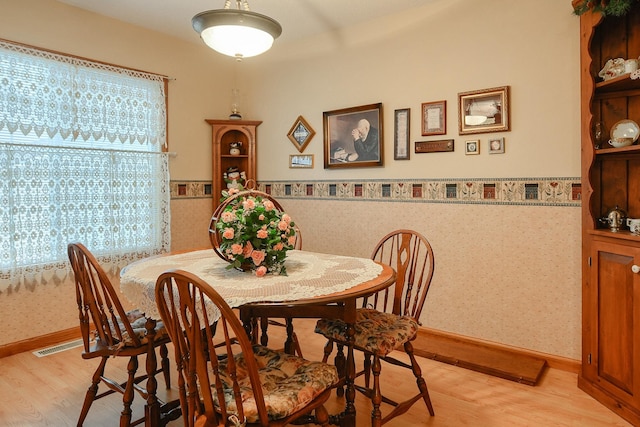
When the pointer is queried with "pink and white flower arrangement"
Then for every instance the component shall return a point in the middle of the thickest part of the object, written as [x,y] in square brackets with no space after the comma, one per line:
[254,233]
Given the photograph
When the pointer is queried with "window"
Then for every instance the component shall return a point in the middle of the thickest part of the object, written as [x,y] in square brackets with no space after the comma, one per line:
[82,158]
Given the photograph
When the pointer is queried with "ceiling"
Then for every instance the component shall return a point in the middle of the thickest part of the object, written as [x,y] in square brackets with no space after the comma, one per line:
[299,18]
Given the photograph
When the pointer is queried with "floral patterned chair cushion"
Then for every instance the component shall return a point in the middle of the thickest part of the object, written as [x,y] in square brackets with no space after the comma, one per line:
[138,320]
[375,331]
[288,383]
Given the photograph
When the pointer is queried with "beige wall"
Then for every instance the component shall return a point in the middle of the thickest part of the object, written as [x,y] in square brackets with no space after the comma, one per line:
[509,274]
[461,45]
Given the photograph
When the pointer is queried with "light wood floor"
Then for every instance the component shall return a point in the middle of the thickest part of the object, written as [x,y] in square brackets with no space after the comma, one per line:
[49,391]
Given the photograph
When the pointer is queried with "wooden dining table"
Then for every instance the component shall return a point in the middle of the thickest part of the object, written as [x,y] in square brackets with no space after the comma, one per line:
[317,285]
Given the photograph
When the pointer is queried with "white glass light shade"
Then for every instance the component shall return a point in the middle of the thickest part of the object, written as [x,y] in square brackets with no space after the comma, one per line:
[237,33]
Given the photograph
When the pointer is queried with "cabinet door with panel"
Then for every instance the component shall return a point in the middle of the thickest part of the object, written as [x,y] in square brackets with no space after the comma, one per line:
[614,323]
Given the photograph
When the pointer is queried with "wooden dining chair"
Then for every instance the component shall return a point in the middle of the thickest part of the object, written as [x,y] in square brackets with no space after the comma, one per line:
[389,320]
[110,331]
[223,378]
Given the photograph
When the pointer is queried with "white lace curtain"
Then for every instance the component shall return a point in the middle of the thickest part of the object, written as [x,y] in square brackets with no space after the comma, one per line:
[81,159]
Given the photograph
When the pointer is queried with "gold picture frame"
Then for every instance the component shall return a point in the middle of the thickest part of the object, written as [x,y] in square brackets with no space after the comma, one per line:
[301,133]
[483,111]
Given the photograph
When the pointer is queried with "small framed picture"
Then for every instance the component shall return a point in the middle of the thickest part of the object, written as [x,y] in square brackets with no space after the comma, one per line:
[434,118]
[472,147]
[301,161]
[496,146]
[482,111]
[401,150]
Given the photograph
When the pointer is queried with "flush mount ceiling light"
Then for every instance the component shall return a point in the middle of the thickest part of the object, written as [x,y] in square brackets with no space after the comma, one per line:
[236,32]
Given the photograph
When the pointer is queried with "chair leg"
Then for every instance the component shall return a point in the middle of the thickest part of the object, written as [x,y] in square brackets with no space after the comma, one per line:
[292,345]
[164,356]
[340,363]
[92,391]
[152,407]
[264,336]
[367,369]
[417,372]
[127,397]
[328,348]
[321,416]
[376,396]
[296,345]
[250,326]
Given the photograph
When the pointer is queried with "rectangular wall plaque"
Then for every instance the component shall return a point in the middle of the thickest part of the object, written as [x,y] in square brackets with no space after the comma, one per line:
[434,146]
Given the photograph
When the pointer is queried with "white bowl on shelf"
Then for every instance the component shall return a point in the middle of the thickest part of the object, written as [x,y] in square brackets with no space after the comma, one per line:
[621,142]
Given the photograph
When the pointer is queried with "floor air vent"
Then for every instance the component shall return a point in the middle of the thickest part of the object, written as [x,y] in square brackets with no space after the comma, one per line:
[58,348]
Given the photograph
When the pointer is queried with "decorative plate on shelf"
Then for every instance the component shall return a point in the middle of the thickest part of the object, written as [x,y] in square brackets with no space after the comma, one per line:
[625,129]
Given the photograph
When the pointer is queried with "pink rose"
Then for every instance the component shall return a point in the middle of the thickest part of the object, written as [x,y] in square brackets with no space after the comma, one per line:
[249,204]
[236,249]
[286,218]
[246,252]
[258,257]
[261,271]
[228,233]
[283,225]
[262,234]
[278,246]
[261,217]
[233,191]
[292,240]
[268,205]
[228,216]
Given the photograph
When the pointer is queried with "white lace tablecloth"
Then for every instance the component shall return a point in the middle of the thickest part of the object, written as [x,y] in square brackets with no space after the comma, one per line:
[310,275]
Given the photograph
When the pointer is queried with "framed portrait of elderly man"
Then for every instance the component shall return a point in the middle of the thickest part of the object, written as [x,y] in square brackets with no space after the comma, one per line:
[353,137]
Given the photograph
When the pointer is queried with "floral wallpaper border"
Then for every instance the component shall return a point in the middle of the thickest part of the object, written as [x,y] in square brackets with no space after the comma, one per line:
[510,191]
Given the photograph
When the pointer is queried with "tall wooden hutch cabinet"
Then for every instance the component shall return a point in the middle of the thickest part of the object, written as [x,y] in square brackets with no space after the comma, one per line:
[610,178]
[224,134]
